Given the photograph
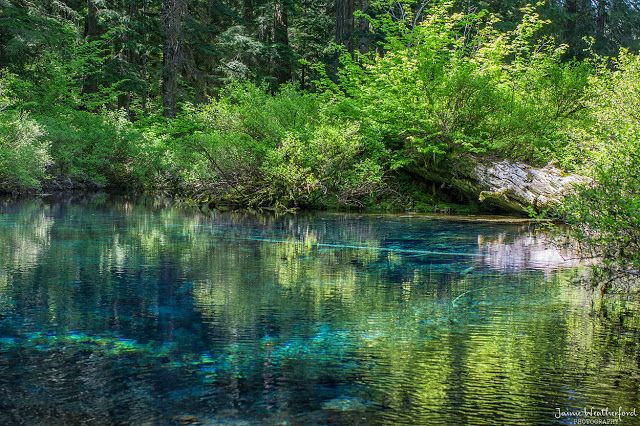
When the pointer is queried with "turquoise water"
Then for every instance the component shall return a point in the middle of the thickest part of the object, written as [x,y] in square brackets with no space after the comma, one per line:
[130,311]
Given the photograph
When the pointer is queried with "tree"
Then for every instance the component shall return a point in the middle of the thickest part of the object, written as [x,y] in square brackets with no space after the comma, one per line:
[173,12]
[363,27]
[282,66]
[601,17]
[344,23]
[91,33]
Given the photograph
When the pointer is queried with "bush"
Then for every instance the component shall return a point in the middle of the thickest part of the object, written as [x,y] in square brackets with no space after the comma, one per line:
[328,167]
[606,214]
[287,150]
[24,154]
[455,83]
[92,150]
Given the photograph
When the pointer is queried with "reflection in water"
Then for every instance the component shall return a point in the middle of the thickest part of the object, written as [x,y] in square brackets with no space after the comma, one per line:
[122,311]
[526,249]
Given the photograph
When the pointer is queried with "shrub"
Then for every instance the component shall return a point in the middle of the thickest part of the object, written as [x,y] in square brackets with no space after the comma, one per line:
[455,83]
[253,148]
[606,214]
[331,166]
[92,150]
[24,153]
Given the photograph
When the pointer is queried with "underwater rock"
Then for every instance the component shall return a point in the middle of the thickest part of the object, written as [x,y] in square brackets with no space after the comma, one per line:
[467,271]
[227,417]
[186,419]
[345,403]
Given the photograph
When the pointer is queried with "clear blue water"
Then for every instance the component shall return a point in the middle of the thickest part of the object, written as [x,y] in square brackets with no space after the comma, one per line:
[130,311]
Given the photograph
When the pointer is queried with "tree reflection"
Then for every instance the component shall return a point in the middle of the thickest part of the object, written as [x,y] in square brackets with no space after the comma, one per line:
[151,310]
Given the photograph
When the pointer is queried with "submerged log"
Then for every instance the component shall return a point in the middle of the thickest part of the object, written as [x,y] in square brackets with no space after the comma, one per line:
[508,185]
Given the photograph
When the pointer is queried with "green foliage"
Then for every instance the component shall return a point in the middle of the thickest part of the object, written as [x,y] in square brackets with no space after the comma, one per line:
[46,141]
[455,82]
[606,214]
[440,83]
[24,153]
[251,110]
[46,84]
[92,150]
[31,30]
[330,162]
[255,149]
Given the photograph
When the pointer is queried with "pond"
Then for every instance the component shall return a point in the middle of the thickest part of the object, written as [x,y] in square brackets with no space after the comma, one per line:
[117,310]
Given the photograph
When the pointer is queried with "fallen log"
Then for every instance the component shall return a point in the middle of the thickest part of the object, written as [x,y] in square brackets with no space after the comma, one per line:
[507,185]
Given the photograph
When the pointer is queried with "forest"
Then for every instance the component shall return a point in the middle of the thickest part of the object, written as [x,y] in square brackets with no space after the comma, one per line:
[373,105]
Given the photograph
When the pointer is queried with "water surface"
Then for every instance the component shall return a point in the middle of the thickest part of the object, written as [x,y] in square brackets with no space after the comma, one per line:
[124,311]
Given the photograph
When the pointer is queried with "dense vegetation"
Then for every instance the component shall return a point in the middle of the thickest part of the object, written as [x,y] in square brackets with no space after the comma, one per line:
[324,104]
[605,215]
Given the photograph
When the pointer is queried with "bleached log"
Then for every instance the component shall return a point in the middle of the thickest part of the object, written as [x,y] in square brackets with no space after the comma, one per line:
[509,185]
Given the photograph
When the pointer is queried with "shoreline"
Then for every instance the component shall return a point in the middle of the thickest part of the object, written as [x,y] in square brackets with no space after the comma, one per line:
[485,217]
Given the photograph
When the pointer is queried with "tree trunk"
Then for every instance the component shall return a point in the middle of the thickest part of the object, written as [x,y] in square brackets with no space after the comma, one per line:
[344,23]
[91,33]
[363,28]
[143,63]
[173,14]
[282,63]
[601,19]
[506,185]
[571,10]
[130,56]
[247,13]
[124,102]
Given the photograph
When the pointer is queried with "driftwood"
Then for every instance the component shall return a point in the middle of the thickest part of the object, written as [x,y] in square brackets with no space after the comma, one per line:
[508,185]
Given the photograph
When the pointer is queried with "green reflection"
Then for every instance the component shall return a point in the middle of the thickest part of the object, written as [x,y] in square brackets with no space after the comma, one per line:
[328,317]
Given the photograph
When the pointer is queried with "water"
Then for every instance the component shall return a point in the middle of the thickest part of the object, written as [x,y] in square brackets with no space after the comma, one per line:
[119,311]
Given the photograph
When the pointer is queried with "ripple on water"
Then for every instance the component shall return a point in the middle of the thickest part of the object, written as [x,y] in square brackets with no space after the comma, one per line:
[126,314]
